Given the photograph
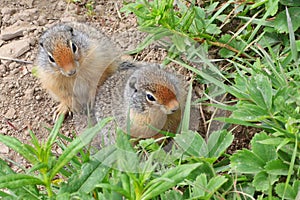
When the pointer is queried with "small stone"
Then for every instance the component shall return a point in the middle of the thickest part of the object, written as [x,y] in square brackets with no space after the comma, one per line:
[3,148]
[15,71]
[15,48]
[29,93]
[42,20]
[8,11]
[10,113]
[12,65]
[12,32]
[38,97]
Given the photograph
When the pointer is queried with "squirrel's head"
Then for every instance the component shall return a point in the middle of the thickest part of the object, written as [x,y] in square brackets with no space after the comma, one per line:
[154,98]
[153,88]
[59,50]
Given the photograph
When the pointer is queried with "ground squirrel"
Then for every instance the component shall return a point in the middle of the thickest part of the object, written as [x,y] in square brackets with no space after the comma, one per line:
[143,94]
[73,59]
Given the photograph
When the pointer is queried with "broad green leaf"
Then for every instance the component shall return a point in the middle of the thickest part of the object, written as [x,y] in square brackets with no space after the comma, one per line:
[290,192]
[18,181]
[260,91]
[245,161]
[173,194]
[277,167]
[281,23]
[266,152]
[272,7]
[200,186]
[290,2]
[192,143]
[249,112]
[218,142]
[206,188]
[215,183]
[168,180]
[74,147]
[261,181]
[179,42]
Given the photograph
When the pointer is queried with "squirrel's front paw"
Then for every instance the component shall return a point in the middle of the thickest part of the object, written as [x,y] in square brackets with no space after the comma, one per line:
[61,109]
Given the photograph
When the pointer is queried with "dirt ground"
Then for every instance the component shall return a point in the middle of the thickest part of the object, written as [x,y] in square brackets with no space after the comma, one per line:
[23,103]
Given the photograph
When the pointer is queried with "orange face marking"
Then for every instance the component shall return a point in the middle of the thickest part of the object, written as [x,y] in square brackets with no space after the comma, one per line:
[64,57]
[166,97]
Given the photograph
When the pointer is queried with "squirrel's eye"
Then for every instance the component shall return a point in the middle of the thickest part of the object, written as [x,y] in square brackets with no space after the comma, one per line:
[150,97]
[51,59]
[74,47]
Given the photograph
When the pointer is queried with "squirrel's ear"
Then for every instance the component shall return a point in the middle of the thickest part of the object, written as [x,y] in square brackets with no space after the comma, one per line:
[132,82]
[69,28]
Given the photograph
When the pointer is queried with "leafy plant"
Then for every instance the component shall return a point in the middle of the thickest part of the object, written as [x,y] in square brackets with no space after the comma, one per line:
[261,73]
[45,166]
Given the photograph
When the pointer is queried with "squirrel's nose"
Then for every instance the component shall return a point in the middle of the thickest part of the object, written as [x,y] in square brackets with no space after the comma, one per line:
[71,72]
[172,106]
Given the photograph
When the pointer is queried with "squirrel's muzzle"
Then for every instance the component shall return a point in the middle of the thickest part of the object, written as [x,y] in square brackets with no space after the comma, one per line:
[172,106]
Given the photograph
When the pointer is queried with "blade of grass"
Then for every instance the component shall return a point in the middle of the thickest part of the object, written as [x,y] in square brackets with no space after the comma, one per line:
[292,37]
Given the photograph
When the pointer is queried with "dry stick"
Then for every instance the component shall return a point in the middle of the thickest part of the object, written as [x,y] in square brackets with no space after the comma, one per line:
[118,10]
[15,60]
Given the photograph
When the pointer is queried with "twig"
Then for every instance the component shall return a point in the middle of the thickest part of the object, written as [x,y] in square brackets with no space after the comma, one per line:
[118,11]
[16,60]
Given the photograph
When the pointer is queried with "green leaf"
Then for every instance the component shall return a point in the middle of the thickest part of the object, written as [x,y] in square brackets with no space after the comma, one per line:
[290,2]
[272,7]
[292,37]
[204,188]
[179,42]
[277,167]
[281,24]
[290,193]
[245,161]
[168,180]
[74,147]
[263,181]
[4,168]
[192,143]
[18,181]
[266,152]
[215,183]
[91,173]
[19,147]
[54,132]
[260,91]
[187,112]
[218,142]
[173,194]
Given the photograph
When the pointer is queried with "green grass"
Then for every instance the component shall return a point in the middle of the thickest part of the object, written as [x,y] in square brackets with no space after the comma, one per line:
[259,69]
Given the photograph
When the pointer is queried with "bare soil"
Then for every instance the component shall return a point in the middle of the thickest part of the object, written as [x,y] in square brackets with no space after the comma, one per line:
[24,104]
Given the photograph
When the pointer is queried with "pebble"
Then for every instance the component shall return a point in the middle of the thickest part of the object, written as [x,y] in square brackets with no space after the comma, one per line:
[15,48]
[3,148]
[10,113]
[38,97]
[7,11]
